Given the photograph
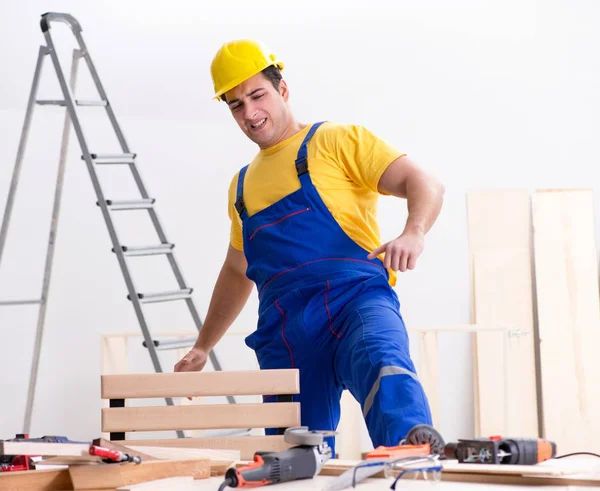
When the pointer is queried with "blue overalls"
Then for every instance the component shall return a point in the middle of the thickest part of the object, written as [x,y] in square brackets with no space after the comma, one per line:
[328,311]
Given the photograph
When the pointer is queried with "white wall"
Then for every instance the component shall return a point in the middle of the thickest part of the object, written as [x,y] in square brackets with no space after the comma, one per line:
[496,94]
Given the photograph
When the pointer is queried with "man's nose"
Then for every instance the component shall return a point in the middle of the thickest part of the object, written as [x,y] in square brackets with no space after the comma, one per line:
[250,111]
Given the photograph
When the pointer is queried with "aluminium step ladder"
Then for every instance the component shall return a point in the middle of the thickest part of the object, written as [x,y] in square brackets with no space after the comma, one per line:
[107,206]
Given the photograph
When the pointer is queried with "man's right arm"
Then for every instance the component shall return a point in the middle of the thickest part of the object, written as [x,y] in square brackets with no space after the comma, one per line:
[230,295]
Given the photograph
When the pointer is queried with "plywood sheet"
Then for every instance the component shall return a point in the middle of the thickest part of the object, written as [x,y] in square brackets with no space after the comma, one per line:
[566,272]
[499,231]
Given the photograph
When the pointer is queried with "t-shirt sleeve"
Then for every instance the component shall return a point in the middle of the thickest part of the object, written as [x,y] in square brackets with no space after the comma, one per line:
[365,156]
[235,234]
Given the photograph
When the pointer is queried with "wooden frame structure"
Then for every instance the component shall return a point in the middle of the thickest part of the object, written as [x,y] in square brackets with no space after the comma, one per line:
[119,418]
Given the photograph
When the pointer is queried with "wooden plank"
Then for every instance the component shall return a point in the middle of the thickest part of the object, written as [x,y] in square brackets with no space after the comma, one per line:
[213,416]
[568,317]
[117,475]
[41,480]
[182,453]
[501,279]
[246,445]
[348,437]
[41,448]
[428,371]
[183,384]
[499,226]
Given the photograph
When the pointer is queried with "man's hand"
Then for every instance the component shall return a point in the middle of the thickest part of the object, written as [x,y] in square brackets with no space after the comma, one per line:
[194,361]
[401,253]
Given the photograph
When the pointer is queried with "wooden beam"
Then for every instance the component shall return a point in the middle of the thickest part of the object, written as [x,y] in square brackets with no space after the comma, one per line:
[41,448]
[566,270]
[183,384]
[113,476]
[247,445]
[213,416]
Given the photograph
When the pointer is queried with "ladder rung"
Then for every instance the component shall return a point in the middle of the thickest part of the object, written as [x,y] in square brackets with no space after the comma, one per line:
[165,296]
[51,102]
[130,204]
[172,344]
[124,158]
[20,302]
[147,250]
[92,103]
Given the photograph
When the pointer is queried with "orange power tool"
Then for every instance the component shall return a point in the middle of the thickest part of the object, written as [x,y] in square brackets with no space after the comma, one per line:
[498,450]
[302,461]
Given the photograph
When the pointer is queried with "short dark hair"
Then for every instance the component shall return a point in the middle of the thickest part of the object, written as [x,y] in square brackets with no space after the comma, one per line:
[272,73]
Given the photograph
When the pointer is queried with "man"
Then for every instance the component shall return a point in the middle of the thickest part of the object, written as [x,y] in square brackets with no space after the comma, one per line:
[303,229]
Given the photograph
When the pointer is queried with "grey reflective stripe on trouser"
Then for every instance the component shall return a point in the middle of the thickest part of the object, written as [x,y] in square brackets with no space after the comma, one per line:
[390,370]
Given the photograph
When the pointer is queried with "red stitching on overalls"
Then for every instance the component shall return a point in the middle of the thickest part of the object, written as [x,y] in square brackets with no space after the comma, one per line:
[279,221]
[317,261]
[282,332]
[329,313]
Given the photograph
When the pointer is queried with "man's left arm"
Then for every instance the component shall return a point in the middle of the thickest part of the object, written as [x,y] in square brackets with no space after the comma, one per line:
[424,195]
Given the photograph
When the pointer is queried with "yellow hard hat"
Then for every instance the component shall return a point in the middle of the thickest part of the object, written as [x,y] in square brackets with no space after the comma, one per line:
[239,60]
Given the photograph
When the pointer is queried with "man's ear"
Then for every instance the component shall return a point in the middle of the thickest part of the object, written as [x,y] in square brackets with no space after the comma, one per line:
[284,90]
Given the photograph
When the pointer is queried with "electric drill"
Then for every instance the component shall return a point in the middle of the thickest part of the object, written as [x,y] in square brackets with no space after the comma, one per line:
[299,462]
[497,450]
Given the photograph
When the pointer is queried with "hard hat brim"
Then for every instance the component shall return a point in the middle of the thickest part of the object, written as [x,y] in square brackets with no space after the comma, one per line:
[236,82]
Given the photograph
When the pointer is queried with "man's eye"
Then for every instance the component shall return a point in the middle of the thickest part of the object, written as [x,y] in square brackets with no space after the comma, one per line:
[235,108]
[258,96]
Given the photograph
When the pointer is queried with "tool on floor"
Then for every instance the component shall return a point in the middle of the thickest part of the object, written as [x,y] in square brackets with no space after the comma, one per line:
[302,461]
[114,455]
[498,450]
[423,443]
[94,161]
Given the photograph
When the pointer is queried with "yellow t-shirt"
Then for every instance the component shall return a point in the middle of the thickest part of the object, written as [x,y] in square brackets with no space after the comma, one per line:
[345,164]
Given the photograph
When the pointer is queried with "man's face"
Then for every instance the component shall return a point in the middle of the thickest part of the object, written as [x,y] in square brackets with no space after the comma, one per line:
[259,110]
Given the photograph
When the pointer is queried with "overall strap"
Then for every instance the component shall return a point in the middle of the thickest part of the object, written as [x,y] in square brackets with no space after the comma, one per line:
[301,158]
[239,202]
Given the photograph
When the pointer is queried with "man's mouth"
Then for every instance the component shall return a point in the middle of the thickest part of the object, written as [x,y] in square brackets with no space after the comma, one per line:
[259,124]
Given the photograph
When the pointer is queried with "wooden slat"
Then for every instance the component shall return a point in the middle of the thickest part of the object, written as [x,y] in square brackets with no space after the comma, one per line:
[246,445]
[40,448]
[568,317]
[183,384]
[214,416]
[499,226]
[113,476]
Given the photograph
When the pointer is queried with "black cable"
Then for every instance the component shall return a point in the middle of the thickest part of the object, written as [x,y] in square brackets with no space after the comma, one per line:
[577,453]
[227,482]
